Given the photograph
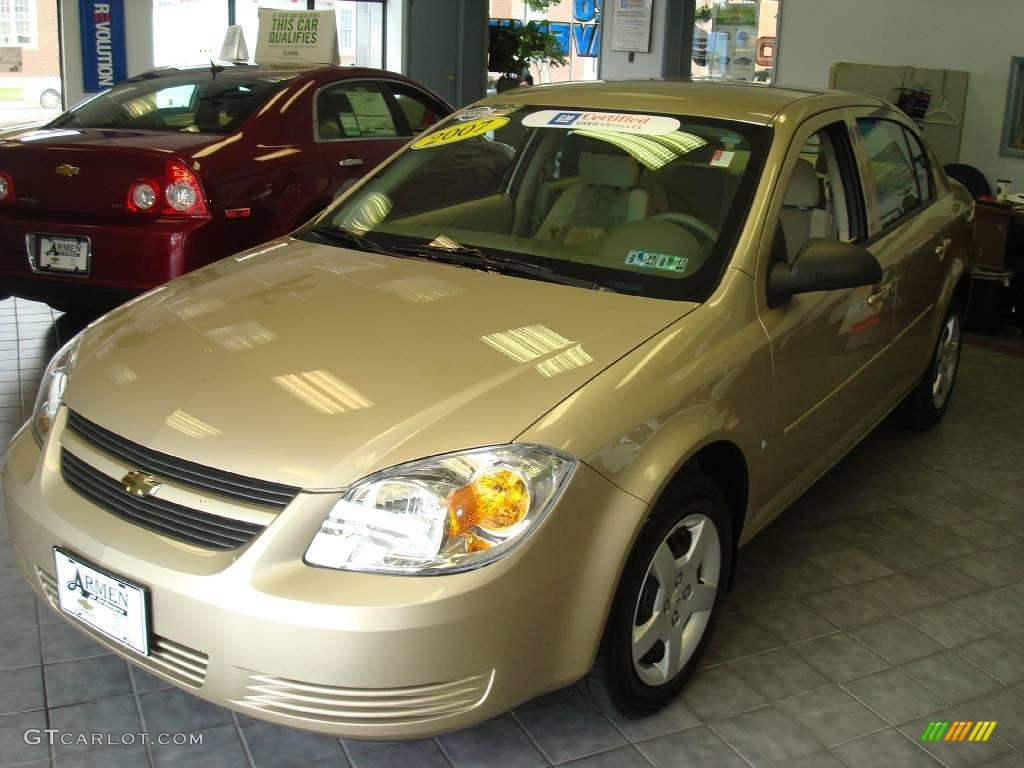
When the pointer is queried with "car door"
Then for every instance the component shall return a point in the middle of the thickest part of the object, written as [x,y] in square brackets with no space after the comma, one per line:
[911,228]
[828,347]
[356,125]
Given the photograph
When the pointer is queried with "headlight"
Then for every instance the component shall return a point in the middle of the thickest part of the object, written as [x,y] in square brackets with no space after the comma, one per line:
[441,515]
[51,389]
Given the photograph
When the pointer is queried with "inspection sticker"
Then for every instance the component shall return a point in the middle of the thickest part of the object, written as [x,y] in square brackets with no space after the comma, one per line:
[619,122]
[653,260]
[722,158]
[460,132]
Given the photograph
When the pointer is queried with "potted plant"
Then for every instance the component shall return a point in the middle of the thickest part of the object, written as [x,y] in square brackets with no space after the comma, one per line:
[514,48]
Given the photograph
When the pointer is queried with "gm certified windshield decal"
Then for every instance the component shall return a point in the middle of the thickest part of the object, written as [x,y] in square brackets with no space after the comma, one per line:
[619,122]
[459,132]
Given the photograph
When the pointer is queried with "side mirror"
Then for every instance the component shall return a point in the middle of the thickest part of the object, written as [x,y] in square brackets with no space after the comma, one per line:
[823,265]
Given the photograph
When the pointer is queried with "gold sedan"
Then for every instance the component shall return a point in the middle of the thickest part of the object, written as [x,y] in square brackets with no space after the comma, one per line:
[501,418]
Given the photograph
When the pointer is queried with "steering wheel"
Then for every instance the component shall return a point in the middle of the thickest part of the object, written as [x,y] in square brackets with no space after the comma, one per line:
[697,226]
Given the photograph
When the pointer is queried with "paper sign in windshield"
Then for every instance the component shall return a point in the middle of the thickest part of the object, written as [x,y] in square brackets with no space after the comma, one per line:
[619,122]
[460,132]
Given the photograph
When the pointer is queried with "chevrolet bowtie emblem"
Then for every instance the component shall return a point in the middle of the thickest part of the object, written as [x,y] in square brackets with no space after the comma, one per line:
[67,170]
[139,483]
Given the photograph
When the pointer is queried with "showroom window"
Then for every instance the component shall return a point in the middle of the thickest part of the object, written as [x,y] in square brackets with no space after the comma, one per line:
[17,22]
[188,31]
[202,23]
[735,40]
[576,24]
[30,84]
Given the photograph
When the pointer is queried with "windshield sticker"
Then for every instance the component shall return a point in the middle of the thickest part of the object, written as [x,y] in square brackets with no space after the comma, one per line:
[618,122]
[722,158]
[653,260]
[460,132]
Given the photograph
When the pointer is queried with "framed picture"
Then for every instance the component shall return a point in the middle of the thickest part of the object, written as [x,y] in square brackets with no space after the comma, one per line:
[1013,118]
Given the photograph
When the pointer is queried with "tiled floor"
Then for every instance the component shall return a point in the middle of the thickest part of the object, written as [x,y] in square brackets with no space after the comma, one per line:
[892,594]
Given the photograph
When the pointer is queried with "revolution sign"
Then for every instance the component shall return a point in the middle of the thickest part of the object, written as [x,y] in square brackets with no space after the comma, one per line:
[104,61]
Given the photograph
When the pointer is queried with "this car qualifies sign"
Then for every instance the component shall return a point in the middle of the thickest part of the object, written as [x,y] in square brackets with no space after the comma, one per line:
[296,37]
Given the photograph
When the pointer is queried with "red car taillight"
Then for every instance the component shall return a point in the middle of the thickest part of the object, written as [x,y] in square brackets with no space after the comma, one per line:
[6,188]
[177,194]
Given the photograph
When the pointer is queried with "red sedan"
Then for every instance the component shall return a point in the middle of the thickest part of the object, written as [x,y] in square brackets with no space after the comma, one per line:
[176,168]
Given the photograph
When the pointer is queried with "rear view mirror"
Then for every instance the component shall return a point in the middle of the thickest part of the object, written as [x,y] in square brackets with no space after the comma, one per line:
[823,265]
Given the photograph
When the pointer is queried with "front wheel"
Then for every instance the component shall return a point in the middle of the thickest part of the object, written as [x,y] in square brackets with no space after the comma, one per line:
[926,404]
[667,601]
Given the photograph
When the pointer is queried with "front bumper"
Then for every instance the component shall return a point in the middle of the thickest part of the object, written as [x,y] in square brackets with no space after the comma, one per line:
[348,654]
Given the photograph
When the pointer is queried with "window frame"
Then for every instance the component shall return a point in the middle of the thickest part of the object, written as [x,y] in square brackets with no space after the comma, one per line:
[382,85]
[394,87]
[866,168]
[32,19]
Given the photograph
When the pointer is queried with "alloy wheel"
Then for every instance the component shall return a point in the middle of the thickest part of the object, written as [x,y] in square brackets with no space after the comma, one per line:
[676,599]
[947,357]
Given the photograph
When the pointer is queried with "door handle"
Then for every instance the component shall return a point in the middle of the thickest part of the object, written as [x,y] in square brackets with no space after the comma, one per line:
[942,247]
[881,293]
[351,162]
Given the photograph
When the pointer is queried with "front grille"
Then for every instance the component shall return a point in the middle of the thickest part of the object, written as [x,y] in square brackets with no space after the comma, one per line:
[182,664]
[365,706]
[164,517]
[174,470]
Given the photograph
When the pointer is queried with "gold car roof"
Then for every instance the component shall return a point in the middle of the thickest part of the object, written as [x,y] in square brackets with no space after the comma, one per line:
[727,100]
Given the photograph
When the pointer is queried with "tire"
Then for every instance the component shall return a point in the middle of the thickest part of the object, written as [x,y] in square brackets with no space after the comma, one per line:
[693,510]
[49,99]
[927,402]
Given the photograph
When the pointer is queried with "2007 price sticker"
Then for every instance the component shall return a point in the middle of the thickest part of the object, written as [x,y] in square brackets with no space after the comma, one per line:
[460,132]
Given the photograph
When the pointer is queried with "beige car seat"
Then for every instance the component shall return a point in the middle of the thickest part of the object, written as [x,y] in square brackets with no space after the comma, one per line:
[607,196]
[801,216]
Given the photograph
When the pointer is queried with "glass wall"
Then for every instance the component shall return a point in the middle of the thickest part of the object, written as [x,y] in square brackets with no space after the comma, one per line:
[191,31]
[735,39]
[188,31]
[30,84]
[576,24]
[360,31]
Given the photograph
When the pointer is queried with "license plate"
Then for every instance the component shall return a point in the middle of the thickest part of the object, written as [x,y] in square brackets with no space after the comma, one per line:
[103,601]
[62,254]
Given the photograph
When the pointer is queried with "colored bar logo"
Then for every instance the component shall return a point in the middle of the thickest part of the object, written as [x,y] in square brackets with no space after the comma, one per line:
[959,730]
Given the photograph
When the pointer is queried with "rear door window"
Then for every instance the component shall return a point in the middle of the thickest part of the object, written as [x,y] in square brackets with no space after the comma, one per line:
[352,111]
[419,110]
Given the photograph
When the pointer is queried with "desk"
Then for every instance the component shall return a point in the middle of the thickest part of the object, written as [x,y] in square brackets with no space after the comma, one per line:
[991,229]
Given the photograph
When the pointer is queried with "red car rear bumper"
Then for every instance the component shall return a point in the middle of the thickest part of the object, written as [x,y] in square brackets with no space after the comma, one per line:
[128,258]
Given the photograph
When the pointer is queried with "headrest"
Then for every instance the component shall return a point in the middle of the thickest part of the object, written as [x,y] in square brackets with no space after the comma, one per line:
[804,190]
[605,170]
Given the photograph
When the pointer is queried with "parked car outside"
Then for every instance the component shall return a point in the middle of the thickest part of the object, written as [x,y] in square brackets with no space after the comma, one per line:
[176,168]
[448,447]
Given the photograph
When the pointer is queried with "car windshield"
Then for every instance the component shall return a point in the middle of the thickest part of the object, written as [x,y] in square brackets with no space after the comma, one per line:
[196,103]
[647,204]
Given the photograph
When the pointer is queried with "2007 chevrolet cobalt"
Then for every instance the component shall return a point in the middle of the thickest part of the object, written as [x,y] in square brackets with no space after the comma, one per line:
[450,446]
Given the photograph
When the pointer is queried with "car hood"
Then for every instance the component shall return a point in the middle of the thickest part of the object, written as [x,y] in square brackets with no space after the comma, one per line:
[313,365]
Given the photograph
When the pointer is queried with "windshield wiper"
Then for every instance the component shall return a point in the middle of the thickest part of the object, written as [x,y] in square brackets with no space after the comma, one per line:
[490,262]
[347,237]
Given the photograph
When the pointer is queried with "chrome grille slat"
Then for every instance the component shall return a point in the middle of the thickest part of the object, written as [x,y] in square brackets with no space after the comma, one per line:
[325,703]
[166,518]
[227,484]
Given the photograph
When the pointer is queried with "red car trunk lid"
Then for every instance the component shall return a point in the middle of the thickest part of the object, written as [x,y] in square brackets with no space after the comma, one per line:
[85,173]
